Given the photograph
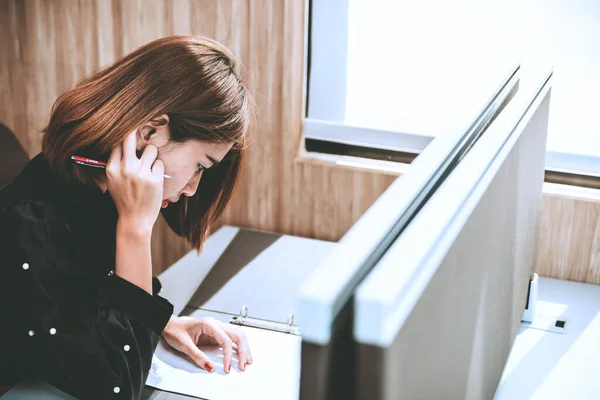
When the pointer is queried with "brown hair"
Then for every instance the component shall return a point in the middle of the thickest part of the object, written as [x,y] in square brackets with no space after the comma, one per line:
[195,81]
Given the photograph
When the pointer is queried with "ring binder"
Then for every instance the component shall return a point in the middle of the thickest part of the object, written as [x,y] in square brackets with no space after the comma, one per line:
[244,320]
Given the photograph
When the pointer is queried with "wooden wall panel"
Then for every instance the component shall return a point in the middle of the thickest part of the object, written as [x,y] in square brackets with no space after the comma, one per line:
[279,194]
[47,45]
[570,237]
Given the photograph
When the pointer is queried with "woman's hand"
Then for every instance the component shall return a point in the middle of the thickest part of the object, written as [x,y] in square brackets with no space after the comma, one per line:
[135,184]
[185,334]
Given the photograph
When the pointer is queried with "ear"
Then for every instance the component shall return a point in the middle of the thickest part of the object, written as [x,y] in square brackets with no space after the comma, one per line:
[155,131]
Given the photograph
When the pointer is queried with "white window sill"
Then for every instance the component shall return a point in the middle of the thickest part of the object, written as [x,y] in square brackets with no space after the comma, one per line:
[391,168]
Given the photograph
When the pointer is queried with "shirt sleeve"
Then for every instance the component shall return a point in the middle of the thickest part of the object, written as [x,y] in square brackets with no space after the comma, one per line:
[90,337]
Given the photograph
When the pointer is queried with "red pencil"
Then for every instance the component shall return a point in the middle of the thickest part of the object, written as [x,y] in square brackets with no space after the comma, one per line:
[94,163]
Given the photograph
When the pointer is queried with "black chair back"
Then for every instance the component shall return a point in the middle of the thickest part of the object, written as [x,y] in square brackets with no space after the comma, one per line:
[13,157]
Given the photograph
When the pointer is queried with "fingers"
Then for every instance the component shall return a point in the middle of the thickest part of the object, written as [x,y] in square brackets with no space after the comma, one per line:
[148,157]
[197,355]
[243,347]
[114,160]
[158,169]
[216,331]
[129,147]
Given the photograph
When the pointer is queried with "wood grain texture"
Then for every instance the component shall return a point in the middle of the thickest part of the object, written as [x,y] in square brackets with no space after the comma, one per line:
[47,45]
[570,239]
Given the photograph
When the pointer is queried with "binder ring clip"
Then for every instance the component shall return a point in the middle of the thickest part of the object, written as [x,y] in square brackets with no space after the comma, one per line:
[244,314]
[290,323]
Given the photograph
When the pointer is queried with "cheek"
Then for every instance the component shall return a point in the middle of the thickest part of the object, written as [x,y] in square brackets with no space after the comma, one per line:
[167,189]
[172,186]
[178,181]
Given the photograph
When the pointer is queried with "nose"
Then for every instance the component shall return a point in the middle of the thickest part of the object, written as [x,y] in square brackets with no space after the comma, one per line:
[190,189]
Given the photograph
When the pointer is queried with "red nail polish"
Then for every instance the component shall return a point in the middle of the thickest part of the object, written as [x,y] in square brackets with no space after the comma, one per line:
[209,367]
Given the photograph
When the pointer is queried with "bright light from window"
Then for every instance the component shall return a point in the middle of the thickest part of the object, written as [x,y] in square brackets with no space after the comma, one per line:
[429,66]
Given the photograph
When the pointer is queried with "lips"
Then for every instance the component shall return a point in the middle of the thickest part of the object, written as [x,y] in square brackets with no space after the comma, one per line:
[165,204]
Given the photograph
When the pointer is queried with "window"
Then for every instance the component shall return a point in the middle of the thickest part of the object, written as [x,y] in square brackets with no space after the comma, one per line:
[393,74]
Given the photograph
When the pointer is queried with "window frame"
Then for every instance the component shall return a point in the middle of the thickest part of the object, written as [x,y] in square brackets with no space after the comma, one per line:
[324,107]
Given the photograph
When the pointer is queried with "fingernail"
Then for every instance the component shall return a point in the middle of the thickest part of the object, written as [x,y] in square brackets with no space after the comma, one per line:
[250,360]
[209,367]
[228,369]
[243,366]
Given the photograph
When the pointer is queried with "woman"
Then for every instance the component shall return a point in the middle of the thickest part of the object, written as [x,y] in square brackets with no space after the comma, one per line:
[79,305]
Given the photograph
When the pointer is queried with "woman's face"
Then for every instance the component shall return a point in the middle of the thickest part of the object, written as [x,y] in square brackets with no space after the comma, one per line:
[184,162]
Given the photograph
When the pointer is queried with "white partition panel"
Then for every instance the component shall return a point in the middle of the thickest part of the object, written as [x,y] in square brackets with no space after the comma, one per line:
[437,316]
[325,297]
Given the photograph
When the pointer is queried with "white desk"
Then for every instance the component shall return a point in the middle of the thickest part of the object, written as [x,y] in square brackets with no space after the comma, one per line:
[546,365]
[259,271]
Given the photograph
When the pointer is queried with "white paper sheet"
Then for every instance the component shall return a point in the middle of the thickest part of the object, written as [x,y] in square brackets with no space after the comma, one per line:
[273,374]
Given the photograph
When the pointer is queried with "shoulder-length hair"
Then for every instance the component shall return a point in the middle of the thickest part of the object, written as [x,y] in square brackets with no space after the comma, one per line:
[196,81]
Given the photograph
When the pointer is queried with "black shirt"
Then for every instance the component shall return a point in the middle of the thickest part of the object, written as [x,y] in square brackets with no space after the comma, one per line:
[65,316]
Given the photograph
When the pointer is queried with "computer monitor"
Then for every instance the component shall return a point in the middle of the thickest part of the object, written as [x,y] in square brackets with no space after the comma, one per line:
[325,308]
[437,316]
